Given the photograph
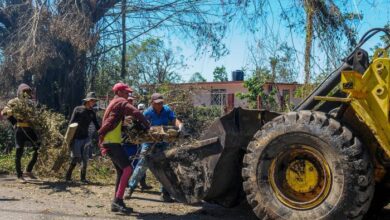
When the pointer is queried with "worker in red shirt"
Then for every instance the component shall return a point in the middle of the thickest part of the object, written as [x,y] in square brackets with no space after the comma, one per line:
[110,140]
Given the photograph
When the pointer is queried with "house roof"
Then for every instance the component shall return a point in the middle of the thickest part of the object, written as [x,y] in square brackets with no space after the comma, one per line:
[211,83]
[229,83]
[200,84]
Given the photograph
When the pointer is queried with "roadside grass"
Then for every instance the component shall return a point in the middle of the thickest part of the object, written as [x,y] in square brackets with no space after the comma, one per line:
[100,169]
[7,162]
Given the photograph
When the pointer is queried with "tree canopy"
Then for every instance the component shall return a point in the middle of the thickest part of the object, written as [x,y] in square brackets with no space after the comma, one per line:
[220,74]
[65,47]
[197,77]
[58,45]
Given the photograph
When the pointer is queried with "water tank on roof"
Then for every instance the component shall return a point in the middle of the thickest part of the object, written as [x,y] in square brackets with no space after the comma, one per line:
[238,75]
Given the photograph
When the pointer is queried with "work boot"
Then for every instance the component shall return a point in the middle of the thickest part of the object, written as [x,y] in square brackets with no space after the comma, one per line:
[165,197]
[68,176]
[29,175]
[145,187]
[20,179]
[129,193]
[84,181]
[119,206]
[82,178]
[143,184]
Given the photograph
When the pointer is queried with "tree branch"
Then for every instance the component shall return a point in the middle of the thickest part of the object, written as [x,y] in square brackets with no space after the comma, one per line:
[136,36]
[100,7]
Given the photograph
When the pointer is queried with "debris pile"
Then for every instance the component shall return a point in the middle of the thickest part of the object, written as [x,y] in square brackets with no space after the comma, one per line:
[133,134]
[48,126]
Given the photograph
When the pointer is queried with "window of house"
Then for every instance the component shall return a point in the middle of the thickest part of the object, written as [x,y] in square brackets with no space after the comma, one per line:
[218,97]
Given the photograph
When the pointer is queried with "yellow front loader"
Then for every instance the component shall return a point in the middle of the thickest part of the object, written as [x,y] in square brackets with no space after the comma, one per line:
[328,159]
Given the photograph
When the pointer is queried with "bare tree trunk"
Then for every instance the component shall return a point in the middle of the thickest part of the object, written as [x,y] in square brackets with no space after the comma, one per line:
[62,74]
[273,62]
[123,70]
[309,38]
[62,87]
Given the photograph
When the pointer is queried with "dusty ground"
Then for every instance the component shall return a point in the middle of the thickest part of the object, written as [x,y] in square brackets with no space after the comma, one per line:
[57,200]
[50,199]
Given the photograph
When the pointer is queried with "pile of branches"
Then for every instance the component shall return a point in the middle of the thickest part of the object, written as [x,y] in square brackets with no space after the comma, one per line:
[49,127]
[195,118]
[156,134]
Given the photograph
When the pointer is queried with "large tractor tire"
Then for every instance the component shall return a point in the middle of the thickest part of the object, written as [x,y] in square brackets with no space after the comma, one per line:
[305,165]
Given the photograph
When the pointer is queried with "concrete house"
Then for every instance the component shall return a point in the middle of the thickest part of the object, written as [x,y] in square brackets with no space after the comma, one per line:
[225,93]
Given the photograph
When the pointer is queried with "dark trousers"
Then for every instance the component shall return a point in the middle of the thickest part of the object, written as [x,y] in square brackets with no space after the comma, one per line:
[22,136]
[119,159]
[79,154]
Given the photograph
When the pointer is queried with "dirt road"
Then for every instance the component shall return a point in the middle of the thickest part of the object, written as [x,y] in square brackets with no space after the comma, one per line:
[50,199]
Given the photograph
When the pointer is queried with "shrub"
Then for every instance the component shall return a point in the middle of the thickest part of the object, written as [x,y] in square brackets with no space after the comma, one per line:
[6,137]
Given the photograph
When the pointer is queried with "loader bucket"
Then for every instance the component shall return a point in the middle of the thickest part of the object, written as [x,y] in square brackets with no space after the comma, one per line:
[210,169]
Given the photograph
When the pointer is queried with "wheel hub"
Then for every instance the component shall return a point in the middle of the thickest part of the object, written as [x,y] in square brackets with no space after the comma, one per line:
[300,177]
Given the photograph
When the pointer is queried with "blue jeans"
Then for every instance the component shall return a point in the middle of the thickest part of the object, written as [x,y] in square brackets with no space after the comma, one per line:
[132,150]
[141,168]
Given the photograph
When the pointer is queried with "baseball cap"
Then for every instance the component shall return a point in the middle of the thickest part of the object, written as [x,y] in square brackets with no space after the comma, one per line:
[121,87]
[157,98]
[141,106]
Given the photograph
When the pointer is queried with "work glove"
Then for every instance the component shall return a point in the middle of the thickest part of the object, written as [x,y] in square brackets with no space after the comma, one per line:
[6,112]
[182,132]
[181,127]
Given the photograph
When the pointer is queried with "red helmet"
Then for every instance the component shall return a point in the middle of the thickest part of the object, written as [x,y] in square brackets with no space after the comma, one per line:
[122,87]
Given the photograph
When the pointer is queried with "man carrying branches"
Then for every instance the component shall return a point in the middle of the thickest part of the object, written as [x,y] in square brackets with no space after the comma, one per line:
[23,129]
[158,114]
[110,139]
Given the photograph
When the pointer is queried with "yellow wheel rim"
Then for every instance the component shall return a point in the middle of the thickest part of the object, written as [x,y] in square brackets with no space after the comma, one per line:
[300,177]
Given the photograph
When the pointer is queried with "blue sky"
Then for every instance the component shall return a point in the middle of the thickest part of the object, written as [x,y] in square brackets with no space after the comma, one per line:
[376,13]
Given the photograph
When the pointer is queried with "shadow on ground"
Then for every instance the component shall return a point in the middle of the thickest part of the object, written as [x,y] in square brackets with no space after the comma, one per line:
[207,211]
[5,199]
[63,186]
[218,213]
[57,186]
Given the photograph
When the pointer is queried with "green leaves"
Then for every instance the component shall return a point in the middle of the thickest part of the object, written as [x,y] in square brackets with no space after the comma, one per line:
[48,126]
[255,86]
[220,74]
[197,77]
